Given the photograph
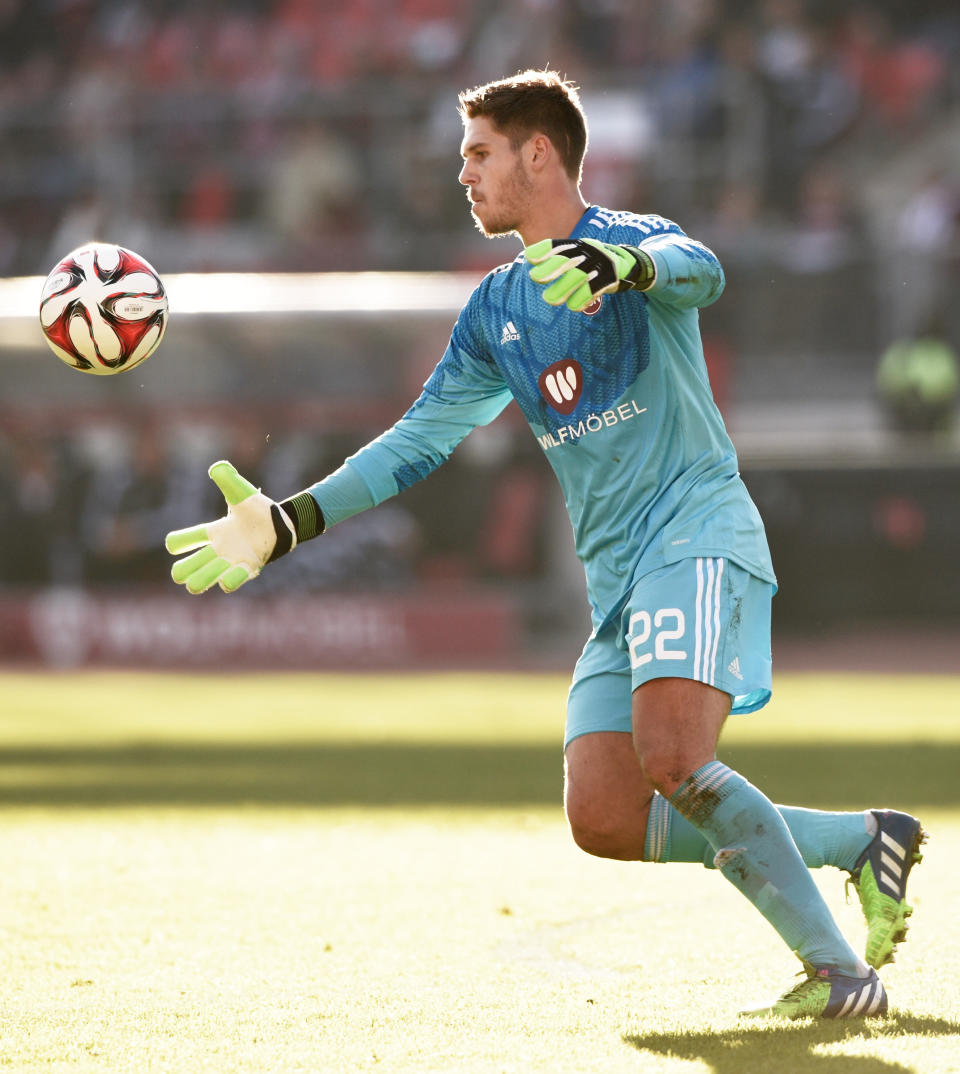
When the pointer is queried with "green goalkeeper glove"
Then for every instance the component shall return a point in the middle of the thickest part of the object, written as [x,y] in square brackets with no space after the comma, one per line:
[255,531]
[579,271]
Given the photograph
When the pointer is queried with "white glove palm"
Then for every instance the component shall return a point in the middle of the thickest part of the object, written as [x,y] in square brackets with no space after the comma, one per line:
[233,549]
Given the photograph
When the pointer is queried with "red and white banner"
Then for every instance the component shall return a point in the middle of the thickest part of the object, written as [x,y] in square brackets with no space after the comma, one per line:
[73,628]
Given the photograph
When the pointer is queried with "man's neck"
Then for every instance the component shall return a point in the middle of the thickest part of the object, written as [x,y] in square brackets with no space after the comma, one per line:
[555,220]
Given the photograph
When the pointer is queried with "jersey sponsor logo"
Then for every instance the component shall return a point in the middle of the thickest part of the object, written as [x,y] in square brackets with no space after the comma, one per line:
[561,384]
[509,334]
[594,423]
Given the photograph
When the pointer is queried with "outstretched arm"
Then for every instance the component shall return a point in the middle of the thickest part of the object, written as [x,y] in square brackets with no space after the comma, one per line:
[422,440]
[464,391]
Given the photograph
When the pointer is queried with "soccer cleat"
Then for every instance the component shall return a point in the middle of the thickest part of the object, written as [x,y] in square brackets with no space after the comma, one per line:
[880,878]
[824,993]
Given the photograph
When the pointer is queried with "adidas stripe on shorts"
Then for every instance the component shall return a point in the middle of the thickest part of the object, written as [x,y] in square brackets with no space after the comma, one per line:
[705,619]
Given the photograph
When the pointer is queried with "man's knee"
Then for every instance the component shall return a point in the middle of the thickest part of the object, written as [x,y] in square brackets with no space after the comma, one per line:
[606,796]
[607,832]
[666,768]
[676,724]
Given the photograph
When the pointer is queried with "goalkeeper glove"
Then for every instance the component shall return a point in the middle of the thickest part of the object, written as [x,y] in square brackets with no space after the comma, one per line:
[579,271]
[255,531]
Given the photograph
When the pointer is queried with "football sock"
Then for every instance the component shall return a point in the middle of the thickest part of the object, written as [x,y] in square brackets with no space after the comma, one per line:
[823,838]
[754,850]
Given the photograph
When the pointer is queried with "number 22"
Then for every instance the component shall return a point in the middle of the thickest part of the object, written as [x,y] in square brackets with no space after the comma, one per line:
[670,624]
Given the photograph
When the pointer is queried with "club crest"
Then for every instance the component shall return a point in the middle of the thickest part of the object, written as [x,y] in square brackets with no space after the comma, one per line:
[561,384]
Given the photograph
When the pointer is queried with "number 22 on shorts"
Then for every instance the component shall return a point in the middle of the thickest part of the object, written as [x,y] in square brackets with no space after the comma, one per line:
[666,625]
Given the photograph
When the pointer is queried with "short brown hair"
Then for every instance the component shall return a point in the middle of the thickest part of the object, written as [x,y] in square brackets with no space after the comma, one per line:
[532,102]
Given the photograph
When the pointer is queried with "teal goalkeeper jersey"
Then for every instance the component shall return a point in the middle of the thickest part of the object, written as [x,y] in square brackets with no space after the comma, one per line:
[617,397]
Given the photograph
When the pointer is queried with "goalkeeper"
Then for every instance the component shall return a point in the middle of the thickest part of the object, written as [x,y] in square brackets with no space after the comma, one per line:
[593,330]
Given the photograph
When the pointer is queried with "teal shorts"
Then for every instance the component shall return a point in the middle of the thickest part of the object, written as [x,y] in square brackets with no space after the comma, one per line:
[701,619]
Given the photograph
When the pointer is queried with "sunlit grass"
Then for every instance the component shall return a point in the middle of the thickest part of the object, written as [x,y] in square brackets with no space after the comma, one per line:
[300,940]
[114,706]
[336,873]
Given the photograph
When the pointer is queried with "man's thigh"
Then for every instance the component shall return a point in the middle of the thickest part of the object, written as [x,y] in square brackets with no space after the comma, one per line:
[706,620]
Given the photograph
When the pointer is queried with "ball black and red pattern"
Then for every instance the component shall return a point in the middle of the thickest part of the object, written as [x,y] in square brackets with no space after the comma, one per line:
[103,309]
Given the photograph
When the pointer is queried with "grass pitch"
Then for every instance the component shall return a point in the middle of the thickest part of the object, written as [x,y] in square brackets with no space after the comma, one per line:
[330,873]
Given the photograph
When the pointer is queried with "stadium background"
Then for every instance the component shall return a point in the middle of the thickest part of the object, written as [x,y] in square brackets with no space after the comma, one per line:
[814,146]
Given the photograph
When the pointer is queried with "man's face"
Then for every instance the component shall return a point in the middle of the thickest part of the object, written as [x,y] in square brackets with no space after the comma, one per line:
[498,187]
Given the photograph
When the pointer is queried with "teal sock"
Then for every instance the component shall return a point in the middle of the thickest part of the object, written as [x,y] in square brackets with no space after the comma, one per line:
[756,853]
[822,837]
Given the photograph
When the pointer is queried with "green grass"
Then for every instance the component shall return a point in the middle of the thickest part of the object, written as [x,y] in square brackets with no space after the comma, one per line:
[336,873]
[469,740]
[119,707]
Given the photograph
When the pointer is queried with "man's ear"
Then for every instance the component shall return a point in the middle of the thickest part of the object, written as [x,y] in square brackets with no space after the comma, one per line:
[539,151]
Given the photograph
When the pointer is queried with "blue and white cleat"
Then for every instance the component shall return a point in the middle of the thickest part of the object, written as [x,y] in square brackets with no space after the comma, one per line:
[824,993]
[880,878]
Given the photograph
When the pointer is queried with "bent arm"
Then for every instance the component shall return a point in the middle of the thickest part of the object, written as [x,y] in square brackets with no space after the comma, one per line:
[688,273]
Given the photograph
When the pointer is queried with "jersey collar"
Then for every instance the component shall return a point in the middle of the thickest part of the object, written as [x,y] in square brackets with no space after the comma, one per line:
[580,230]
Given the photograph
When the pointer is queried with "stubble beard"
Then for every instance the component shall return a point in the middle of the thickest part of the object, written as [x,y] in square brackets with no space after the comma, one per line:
[519,193]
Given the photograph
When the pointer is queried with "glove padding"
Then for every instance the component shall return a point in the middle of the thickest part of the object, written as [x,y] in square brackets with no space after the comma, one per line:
[233,549]
[579,271]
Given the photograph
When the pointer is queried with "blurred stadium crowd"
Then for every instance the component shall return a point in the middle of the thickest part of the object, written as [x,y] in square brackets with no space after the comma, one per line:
[88,505]
[815,144]
[294,134]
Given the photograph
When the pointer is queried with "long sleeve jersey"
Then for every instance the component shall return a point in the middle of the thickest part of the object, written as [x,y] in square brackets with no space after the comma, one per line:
[618,398]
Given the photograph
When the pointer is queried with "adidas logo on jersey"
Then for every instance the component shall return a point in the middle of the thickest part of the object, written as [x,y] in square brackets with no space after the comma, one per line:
[734,668]
[510,333]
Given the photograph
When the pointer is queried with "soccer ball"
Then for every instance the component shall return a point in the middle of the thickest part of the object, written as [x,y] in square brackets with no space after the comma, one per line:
[103,309]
